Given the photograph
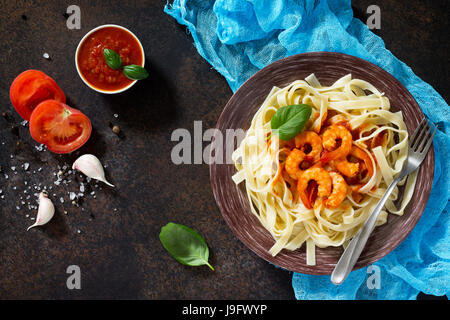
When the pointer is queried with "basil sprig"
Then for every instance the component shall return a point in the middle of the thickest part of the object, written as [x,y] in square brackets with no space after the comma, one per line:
[132,71]
[185,245]
[135,72]
[288,121]
[112,58]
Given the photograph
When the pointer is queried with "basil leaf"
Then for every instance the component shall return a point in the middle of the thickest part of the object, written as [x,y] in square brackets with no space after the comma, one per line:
[185,245]
[288,121]
[135,72]
[112,58]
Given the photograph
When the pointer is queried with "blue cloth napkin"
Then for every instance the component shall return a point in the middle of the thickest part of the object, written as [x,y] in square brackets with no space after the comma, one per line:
[239,37]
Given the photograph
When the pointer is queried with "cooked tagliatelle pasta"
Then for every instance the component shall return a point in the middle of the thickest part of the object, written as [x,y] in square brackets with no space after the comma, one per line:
[320,187]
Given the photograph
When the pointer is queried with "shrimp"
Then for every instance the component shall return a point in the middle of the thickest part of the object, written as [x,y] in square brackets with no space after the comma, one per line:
[362,155]
[311,139]
[338,193]
[347,168]
[330,141]
[351,169]
[321,177]
[292,164]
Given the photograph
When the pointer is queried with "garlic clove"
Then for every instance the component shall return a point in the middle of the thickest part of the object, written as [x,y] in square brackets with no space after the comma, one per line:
[91,167]
[46,211]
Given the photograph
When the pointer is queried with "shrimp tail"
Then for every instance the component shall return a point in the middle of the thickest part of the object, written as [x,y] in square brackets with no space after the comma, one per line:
[305,199]
[330,156]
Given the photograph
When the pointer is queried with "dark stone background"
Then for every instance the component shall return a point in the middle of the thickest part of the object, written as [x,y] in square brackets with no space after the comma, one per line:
[119,252]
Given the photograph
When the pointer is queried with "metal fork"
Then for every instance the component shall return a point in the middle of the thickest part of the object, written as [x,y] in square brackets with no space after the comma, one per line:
[419,145]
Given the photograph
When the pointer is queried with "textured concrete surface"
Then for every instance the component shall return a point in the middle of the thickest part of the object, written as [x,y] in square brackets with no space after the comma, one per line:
[113,234]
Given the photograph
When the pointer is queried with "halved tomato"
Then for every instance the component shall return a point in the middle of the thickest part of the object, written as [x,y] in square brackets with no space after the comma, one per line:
[30,88]
[61,128]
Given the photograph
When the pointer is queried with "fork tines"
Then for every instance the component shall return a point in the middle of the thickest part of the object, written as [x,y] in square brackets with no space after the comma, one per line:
[423,136]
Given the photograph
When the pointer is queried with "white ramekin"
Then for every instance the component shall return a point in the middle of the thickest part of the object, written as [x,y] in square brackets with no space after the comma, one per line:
[78,68]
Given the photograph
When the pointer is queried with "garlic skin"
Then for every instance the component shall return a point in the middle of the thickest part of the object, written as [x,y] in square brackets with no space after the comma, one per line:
[91,167]
[46,211]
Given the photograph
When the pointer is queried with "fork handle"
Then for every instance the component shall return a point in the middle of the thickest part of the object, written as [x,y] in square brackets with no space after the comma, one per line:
[358,242]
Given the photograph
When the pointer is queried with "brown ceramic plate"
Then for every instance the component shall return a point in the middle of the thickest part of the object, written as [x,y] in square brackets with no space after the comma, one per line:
[232,200]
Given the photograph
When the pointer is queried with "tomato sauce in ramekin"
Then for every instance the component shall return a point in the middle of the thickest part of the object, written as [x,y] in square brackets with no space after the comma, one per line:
[91,63]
